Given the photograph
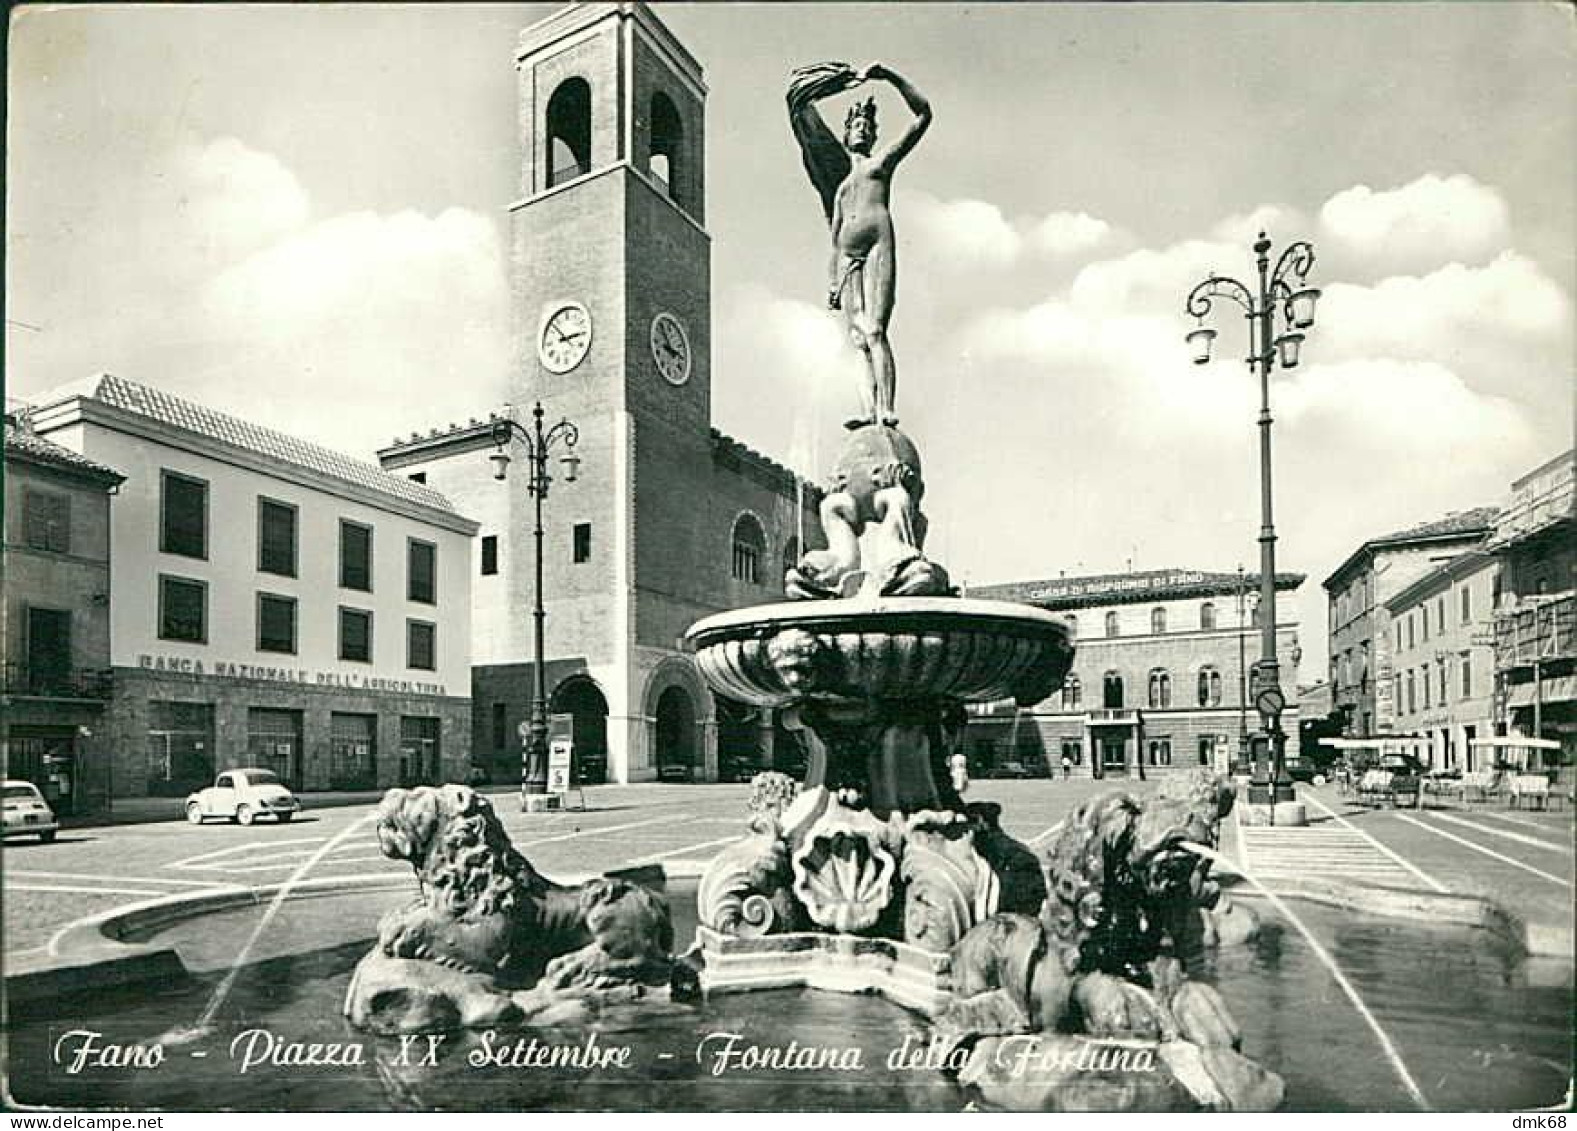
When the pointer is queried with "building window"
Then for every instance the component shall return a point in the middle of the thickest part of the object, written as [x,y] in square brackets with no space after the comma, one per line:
[49,663]
[581,537]
[1207,617]
[353,751]
[1071,693]
[276,537]
[46,521]
[1467,675]
[180,748]
[1157,620]
[273,741]
[1440,677]
[419,753]
[355,556]
[1112,691]
[1440,616]
[569,132]
[1160,752]
[183,609]
[276,623]
[1398,636]
[355,635]
[489,555]
[500,726]
[667,136]
[1207,749]
[1423,675]
[1111,623]
[750,544]
[1423,624]
[421,571]
[1412,692]
[183,515]
[1412,639]
[1072,751]
[1467,605]
[417,477]
[421,645]
[1160,688]
[1209,687]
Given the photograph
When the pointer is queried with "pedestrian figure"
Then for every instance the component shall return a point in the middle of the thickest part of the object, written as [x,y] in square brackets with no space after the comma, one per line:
[1067,767]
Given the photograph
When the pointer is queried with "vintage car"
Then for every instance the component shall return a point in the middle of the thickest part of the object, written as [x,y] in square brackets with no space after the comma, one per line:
[27,813]
[243,796]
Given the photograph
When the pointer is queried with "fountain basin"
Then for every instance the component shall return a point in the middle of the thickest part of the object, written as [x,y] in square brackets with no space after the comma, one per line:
[1423,981]
[889,648]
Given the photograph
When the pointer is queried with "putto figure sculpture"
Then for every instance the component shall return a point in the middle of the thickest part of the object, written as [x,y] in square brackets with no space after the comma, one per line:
[854,179]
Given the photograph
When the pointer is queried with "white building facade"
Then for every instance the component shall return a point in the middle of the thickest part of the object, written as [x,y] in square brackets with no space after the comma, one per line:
[273,603]
[1444,656]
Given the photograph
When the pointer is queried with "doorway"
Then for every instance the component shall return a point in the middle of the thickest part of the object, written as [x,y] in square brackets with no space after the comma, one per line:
[1114,756]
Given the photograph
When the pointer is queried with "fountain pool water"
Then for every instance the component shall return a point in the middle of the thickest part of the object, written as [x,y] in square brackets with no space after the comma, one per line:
[1463,1014]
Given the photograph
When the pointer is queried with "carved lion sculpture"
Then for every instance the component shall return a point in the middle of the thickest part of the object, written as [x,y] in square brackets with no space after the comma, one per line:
[484,909]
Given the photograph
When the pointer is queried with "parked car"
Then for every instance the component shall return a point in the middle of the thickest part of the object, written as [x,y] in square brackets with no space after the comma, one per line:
[674,771]
[1011,769]
[27,813]
[1402,764]
[243,796]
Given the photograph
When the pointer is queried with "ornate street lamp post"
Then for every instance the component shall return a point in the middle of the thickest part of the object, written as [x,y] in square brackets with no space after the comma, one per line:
[1280,292]
[538,444]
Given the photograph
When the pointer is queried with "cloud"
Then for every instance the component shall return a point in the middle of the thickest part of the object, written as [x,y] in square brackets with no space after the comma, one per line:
[1278,221]
[395,311]
[231,291]
[233,197]
[1069,234]
[968,233]
[975,234]
[1429,222]
[1419,394]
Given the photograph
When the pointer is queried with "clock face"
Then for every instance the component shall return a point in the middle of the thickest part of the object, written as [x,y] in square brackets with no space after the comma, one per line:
[671,348]
[566,336]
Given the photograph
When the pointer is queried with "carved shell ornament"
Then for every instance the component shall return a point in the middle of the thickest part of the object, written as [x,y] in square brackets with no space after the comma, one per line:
[844,869]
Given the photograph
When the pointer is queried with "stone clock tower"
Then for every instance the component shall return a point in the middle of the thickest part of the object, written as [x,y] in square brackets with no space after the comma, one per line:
[612,306]
[669,520]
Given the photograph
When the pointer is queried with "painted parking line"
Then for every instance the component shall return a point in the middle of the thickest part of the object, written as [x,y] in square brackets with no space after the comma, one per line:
[77,888]
[685,851]
[1047,834]
[599,831]
[1520,838]
[32,875]
[1345,823]
[1486,851]
[1513,819]
[194,861]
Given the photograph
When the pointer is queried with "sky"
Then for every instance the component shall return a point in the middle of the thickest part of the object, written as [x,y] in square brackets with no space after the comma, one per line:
[298,215]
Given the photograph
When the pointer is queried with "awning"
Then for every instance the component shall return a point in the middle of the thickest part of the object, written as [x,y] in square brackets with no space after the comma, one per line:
[1377,742]
[1557,689]
[1516,740]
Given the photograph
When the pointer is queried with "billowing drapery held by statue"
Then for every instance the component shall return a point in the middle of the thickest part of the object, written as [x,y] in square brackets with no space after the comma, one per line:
[854,180]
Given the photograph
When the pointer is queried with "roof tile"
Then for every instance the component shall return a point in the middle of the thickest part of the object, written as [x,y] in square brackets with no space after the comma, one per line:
[172,410]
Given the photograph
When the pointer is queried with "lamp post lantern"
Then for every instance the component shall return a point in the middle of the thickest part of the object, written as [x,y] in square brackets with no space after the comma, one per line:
[539,442]
[1279,292]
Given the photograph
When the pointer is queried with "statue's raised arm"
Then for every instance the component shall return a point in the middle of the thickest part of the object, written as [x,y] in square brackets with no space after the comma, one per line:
[887,159]
[826,161]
